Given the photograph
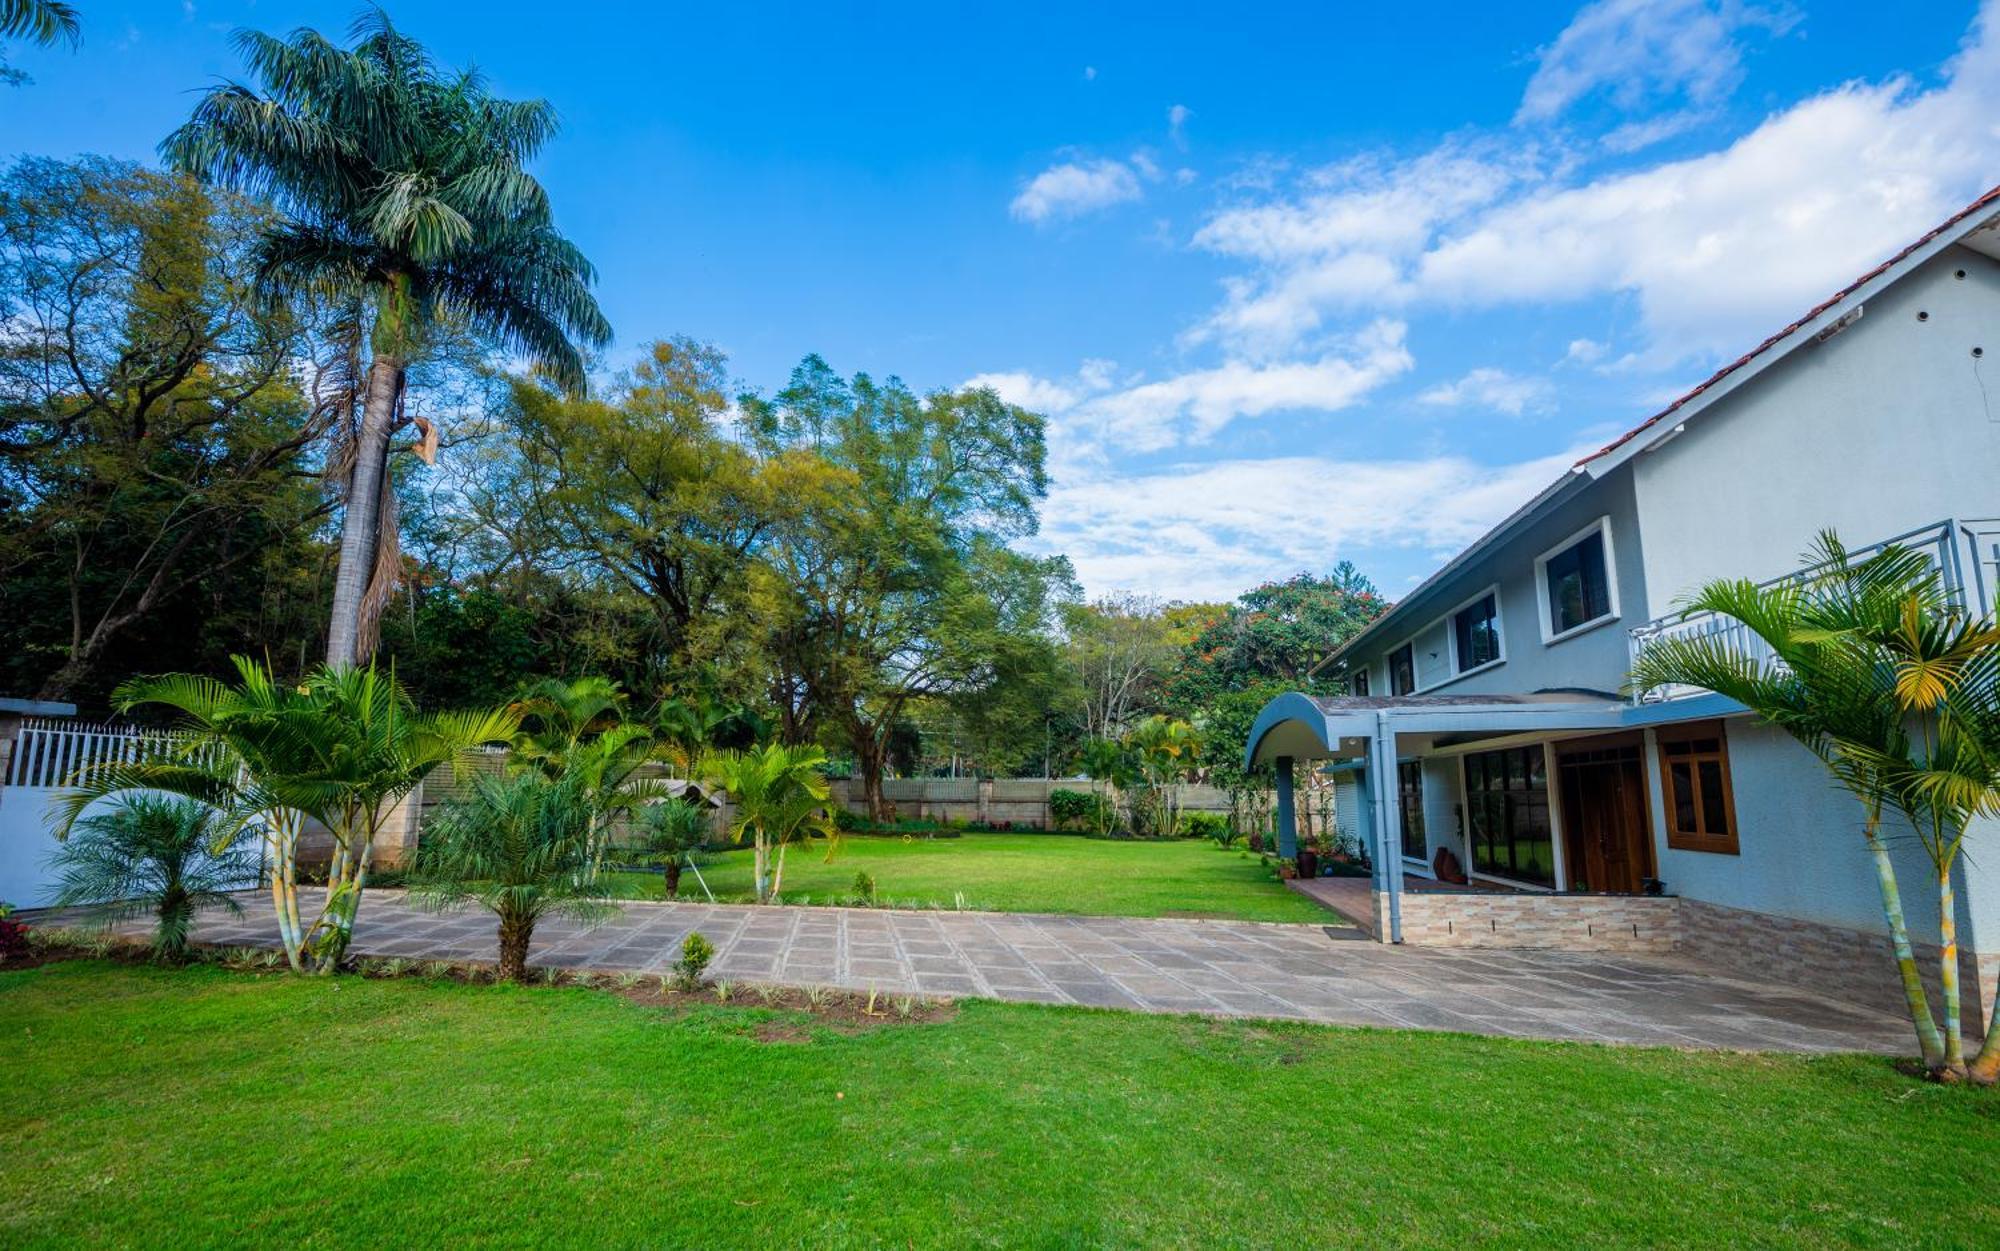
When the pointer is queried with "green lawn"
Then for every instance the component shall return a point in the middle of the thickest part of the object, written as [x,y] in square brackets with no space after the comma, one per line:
[1021,873]
[203,1107]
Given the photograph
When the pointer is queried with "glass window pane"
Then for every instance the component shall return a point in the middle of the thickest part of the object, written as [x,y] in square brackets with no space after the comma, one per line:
[1680,784]
[1715,819]
[1578,588]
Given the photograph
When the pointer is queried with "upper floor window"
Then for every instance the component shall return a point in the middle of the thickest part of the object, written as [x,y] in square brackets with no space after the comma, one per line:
[1475,632]
[1403,670]
[1576,586]
[1358,684]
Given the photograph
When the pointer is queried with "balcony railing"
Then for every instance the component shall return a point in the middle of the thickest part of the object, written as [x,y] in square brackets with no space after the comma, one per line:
[1966,555]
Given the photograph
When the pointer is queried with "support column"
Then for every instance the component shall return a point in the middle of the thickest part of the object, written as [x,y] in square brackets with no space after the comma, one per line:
[1288,822]
[1388,875]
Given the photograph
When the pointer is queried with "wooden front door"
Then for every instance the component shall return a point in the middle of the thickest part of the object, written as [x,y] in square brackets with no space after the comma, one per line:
[1607,841]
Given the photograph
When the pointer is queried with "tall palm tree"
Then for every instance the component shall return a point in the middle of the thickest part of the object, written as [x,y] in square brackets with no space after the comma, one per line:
[1821,676]
[157,855]
[404,198]
[340,748]
[39,21]
[520,848]
[781,796]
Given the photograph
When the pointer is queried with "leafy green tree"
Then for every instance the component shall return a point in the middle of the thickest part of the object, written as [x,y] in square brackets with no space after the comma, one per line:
[1122,650]
[405,201]
[1280,632]
[156,443]
[900,585]
[154,855]
[341,747]
[519,847]
[781,796]
[643,486]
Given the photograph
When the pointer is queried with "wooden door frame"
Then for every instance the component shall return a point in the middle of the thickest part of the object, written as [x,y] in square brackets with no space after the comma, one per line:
[1572,828]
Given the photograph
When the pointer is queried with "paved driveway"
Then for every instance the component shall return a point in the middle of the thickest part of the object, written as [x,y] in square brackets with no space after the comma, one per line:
[1229,968]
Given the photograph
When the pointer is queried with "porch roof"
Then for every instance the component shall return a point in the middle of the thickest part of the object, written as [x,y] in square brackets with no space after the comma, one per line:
[1325,727]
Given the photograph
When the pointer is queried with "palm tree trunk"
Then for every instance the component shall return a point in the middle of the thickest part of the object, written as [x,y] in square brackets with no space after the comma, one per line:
[516,933]
[760,855]
[359,521]
[778,876]
[284,839]
[1954,1042]
[1928,1040]
[673,876]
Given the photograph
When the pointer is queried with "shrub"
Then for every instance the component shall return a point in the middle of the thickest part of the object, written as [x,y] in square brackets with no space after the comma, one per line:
[1209,825]
[13,934]
[864,886]
[1077,810]
[696,952]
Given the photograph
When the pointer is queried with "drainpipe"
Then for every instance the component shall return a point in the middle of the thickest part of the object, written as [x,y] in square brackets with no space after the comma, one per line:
[1388,849]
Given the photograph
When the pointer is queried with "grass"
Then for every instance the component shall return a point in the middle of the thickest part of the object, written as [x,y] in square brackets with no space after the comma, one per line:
[213,1108]
[1020,873]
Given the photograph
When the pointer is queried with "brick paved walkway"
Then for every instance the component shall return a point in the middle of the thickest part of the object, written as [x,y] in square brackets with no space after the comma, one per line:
[1232,968]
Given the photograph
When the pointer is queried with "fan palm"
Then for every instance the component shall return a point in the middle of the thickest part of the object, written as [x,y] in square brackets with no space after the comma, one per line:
[1822,676]
[781,796]
[520,848]
[340,748]
[157,855]
[403,196]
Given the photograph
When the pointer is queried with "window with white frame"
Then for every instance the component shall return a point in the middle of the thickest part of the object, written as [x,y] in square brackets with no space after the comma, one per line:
[1575,582]
[1358,683]
[1475,633]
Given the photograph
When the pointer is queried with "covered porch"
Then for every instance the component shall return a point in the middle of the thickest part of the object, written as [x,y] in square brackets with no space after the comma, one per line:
[1542,799]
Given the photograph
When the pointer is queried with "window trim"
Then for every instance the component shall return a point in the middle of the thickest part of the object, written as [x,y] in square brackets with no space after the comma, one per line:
[1729,844]
[1358,676]
[1550,635]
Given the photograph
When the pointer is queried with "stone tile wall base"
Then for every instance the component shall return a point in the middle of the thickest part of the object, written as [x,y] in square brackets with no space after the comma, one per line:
[1569,922]
[1845,964]
[1848,964]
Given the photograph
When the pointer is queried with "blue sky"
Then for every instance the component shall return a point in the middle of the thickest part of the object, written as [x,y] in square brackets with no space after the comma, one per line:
[1292,285]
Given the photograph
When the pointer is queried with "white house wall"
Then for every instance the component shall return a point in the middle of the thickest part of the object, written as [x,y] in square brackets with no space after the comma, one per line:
[1880,429]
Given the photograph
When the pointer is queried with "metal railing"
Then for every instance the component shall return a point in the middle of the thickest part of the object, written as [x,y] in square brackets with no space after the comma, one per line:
[49,753]
[1965,554]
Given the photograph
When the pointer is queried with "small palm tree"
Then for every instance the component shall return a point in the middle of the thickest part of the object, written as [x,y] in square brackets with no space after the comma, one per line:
[781,797]
[578,730]
[342,748]
[669,832]
[519,847]
[1827,676]
[154,855]
[1166,752]
[404,197]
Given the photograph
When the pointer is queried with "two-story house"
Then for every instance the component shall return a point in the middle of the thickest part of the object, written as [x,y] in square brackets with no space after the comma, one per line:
[1486,712]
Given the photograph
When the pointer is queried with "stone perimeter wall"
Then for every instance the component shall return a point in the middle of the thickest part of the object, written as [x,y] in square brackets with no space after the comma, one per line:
[1842,963]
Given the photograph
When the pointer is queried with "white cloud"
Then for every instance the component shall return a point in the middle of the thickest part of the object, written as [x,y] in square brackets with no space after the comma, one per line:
[1074,188]
[1491,388]
[1089,73]
[1636,53]
[1210,530]
[1585,352]
[1177,119]
[1715,250]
